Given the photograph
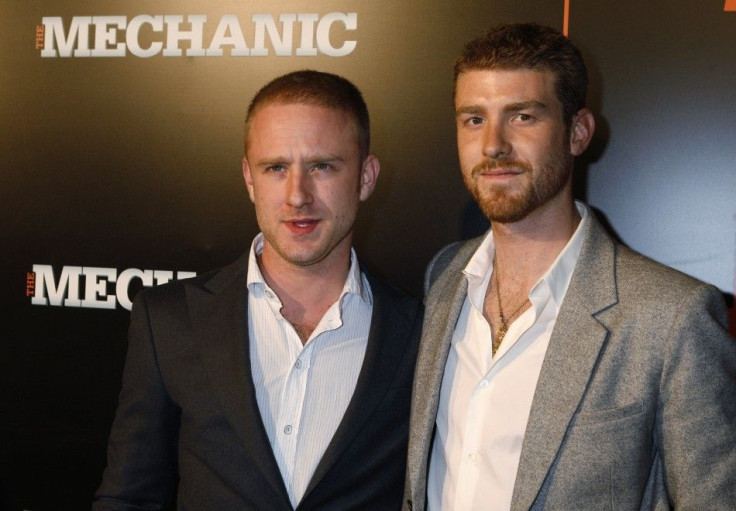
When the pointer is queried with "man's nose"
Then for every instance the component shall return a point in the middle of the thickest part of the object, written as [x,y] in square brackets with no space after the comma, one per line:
[299,188]
[495,142]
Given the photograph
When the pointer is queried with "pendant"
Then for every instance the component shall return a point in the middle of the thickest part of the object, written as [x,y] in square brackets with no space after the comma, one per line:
[501,333]
[498,339]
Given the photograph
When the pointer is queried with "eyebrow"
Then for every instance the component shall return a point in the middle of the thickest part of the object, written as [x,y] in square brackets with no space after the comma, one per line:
[469,110]
[270,161]
[511,107]
[324,158]
[317,158]
[525,105]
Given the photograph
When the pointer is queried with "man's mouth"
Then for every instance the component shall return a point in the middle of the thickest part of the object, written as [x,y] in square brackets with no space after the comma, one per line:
[500,169]
[500,172]
[302,226]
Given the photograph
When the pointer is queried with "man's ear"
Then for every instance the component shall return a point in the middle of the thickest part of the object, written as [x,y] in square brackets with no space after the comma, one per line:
[581,131]
[248,178]
[368,176]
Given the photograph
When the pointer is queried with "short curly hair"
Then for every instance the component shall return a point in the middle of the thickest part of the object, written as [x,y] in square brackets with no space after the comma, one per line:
[531,46]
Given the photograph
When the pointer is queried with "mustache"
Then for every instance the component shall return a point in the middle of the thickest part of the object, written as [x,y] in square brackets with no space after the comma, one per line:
[494,164]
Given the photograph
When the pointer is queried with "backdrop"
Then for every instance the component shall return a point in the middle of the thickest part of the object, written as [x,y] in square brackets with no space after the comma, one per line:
[120,163]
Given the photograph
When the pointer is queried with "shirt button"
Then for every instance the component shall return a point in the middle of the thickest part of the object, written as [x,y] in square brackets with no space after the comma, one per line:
[269,294]
[298,364]
[472,456]
[287,429]
[484,383]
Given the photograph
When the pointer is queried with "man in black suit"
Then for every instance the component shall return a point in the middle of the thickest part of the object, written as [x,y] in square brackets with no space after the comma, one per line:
[282,381]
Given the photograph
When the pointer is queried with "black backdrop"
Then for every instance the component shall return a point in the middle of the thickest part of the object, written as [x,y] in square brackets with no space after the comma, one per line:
[116,166]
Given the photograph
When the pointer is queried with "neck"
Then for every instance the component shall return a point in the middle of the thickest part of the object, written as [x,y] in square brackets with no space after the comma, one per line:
[306,292]
[526,249]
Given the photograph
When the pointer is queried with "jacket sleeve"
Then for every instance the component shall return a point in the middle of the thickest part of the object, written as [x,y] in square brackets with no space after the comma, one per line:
[141,456]
[697,419]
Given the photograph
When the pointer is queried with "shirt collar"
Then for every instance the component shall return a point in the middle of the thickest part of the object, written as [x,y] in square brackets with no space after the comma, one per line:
[556,279]
[354,284]
[560,273]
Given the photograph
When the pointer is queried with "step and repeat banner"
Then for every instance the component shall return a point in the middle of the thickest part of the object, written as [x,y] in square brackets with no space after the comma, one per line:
[120,159]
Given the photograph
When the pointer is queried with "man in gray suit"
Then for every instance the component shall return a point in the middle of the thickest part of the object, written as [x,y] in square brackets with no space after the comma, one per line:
[557,368]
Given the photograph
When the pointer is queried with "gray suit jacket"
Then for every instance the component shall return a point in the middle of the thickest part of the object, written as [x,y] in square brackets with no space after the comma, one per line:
[188,421]
[635,404]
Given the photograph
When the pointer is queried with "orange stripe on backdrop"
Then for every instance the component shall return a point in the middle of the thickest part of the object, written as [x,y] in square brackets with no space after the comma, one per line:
[566,16]
[730,5]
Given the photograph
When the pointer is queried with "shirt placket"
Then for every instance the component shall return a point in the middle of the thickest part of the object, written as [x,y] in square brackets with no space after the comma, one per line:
[472,450]
[288,424]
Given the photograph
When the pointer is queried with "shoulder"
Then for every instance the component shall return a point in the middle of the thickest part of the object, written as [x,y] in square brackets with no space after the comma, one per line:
[450,258]
[651,298]
[175,292]
[636,279]
[644,279]
[387,294]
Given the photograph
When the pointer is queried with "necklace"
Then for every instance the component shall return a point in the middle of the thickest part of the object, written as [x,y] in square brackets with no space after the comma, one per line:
[501,333]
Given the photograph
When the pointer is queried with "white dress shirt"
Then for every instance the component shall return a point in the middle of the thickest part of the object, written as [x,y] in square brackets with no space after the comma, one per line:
[303,391]
[484,400]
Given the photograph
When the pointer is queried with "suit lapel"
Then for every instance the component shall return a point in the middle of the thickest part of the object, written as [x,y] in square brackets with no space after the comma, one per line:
[387,342]
[573,352]
[219,312]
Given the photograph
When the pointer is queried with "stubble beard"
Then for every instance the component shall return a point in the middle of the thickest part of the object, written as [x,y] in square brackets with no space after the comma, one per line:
[500,203]
[309,250]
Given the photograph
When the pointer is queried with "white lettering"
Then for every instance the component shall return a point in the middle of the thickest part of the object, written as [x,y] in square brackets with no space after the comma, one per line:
[163,276]
[106,35]
[46,283]
[228,24]
[121,289]
[96,285]
[132,35]
[78,31]
[350,20]
[174,35]
[281,42]
[306,45]
[178,31]
[96,280]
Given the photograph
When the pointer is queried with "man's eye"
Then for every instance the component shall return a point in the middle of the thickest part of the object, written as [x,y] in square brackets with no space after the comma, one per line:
[524,117]
[475,120]
[275,168]
[321,166]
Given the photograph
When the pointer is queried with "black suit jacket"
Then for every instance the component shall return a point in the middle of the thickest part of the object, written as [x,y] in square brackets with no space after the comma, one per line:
[188,408]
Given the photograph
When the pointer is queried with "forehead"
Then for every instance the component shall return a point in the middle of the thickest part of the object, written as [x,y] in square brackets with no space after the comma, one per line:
[488,86]
[308,123]
[276,113]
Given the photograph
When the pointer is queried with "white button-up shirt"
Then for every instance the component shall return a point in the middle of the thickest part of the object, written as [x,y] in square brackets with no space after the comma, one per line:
[484,400]
[304,390]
